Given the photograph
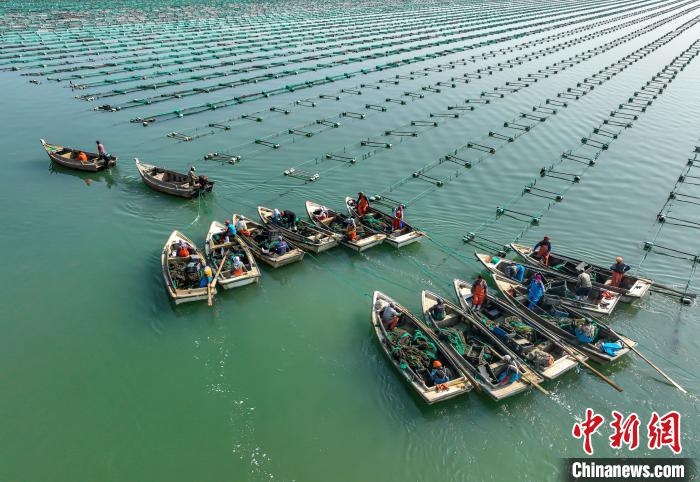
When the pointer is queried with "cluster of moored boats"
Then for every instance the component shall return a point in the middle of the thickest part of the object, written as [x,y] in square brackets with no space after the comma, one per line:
[278,239]
[506,345]
[502,346]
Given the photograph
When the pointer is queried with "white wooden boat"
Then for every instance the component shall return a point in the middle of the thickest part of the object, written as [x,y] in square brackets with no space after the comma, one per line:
[258,239]
[335,222]
[598,302]
[305,235]
[632,287]
[565,322]
[234,246]
[418,379]
[541,350]
[178,272]
[476,349]
[382,223]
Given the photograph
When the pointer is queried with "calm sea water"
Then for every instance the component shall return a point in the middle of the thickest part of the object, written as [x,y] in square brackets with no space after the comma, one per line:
[104,379]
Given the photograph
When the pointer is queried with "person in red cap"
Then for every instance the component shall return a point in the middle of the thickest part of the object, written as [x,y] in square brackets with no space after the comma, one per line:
[618,272]
[541,251]
[439,374]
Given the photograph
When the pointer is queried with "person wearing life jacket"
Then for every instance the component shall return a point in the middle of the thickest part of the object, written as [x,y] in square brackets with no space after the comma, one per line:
[438,310]
[207,277]
[510,373]
[362,204]
[398,217]
[479,292]
[541,251]
[439,374]
[351,229]
[618,272]
[183,251]
[242,227]
[536,291]
[82,157]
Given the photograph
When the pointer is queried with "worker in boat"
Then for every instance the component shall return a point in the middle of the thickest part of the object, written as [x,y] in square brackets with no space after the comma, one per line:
[439,374]
[276,217]
[362,204]
[437,312]
[510,373]
[351,229]
[236,266]
[279,246]
[583,285]
[194,178]
[618,272]
[82,157]
[183,250]
[242,227]
[390,317]
[102,152]
[230,229]
[541,251]
[509,269]
[289,218]
[519,272]
[536,290]
[586,332]
[323,213]
[207,277]
[398,217]
[479,292]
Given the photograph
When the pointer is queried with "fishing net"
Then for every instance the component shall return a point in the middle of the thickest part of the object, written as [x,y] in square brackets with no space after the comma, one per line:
[413,352]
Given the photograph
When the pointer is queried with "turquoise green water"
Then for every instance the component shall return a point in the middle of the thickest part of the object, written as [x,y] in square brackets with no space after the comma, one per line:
[104,379]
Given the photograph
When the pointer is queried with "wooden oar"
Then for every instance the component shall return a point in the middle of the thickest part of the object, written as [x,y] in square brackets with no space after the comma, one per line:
[607,327]
[216,277]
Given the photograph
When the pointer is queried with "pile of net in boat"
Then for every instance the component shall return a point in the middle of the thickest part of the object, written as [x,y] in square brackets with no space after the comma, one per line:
[415,351]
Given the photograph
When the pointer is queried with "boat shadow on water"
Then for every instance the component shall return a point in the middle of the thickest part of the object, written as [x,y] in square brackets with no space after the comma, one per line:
[108,176]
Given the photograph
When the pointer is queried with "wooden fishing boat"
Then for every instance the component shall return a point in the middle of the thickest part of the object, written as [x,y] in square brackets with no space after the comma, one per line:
[66,157]
[182,275]
[258,241]
[632,287]
[572,326]
[376,221]
[412,337]
[541,350]
[598,302]
[171,182]
[230,246]
[304,234]
[334,221]
[476,350]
